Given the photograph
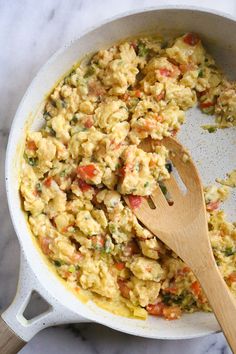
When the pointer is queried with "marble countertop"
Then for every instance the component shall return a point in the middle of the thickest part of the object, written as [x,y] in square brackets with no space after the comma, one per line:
[30,32]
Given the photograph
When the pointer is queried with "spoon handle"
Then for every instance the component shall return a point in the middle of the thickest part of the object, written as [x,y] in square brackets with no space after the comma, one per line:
[221,300]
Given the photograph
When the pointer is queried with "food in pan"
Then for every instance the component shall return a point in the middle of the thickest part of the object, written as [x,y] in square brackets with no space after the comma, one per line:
[87,156]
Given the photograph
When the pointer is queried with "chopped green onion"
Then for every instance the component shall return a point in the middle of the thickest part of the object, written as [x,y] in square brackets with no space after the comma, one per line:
[229,251]
[142,50]
[71,269]
[38,187]
[57,263]
[200,73]
[90,71]
[46,115]
[210,128]
[74,120]
[52,131]
[32,161]
[63,173]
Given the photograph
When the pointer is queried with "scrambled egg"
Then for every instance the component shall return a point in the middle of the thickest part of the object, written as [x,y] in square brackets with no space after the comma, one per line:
[87,155]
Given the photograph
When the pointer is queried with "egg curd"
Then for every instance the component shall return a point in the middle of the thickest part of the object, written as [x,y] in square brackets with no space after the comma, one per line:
[86,157]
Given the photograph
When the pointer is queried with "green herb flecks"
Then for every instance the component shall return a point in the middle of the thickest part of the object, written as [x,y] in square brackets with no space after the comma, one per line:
[142,49]
[32,161]
[229,251]
[209,128]
[46,115]
[38,187]
[57,263]
[90,71]
[63,173]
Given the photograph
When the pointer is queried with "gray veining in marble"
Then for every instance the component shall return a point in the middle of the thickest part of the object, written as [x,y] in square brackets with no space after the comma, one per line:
[30,32]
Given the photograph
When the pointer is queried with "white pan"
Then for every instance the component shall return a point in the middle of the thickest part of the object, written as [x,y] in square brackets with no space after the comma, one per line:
[214,153]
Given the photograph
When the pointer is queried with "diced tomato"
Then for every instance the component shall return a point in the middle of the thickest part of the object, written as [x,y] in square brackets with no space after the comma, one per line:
[131,248]
[88,171]
[138,93]
[126,96]
[174,132]
[172,290]
[120,265]
[44,243]
[77,257]
[213,205]
[159,118]
[133,45]
[122,171]
[165,72]
[124,289]
[88,123]
[135,201]
[156,309]
[31,145]
[96,89]
[191,39]
[186,270]
[186,67]
[206,104]
[232,277]
[196,288]
[202,93]
[160,96]
[183,271]
[98,241]
[47,182]
[83,185]
[171,312]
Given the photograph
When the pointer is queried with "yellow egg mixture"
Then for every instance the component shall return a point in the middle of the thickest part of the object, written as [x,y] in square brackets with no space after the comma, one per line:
[86,157]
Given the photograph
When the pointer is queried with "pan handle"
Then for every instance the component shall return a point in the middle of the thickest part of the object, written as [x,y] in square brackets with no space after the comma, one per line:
[15,327]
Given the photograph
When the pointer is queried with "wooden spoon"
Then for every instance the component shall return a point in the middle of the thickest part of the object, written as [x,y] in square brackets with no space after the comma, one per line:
[183,227]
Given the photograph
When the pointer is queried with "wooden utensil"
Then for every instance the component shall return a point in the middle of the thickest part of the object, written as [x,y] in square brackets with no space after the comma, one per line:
[183,227]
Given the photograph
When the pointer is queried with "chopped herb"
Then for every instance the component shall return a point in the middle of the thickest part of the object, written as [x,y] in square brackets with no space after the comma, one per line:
[117,166]
[46,115]
[164,45]
[38,187]
[166,298]
[52,131]
[64,104]
[169,167]
[112,228]
[208,110]
[32,161]
[210,128]
[71,269]
[142,50]
[57,263]
[61,104]
[74,120]
[146,184]
[63,173]
[200,73]
[229,251]
[89,72]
